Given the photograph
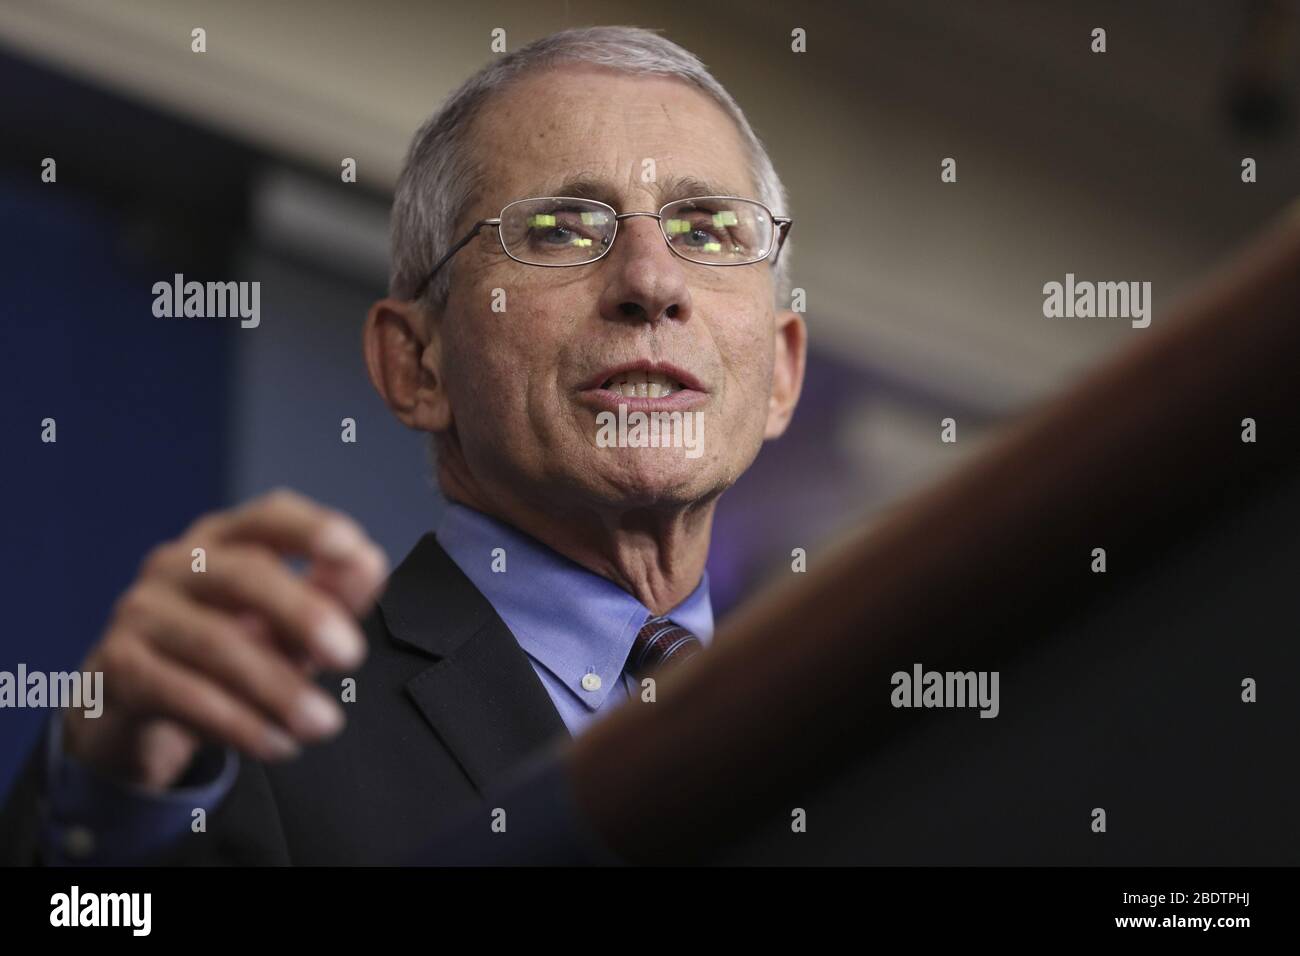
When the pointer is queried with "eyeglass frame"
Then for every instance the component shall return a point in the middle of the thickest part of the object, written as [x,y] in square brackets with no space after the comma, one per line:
[780,225]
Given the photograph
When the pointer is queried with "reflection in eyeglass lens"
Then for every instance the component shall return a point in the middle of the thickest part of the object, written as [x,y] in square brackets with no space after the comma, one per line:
[562,232]
[555,232]
[718,231]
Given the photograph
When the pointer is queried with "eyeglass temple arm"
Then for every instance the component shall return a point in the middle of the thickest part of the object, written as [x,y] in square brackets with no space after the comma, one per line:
[783,224]
[424,284]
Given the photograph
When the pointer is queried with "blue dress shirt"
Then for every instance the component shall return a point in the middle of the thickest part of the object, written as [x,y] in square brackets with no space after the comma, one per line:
[570,622]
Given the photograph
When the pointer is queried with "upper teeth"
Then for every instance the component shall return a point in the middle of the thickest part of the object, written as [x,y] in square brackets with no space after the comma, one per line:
[642,384]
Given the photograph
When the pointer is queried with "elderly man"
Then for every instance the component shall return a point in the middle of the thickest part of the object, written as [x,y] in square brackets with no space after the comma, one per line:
[588,228]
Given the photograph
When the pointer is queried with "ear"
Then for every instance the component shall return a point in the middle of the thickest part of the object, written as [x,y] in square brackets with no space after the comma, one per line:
[404,358]
[787,371]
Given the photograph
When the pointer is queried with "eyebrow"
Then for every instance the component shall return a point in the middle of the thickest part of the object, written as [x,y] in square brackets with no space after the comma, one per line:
[667,189]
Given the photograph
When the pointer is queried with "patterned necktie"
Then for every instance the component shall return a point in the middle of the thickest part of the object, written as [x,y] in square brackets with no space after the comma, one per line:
[660,642]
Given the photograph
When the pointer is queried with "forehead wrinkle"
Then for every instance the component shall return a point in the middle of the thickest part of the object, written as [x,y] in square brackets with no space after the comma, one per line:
[593,186]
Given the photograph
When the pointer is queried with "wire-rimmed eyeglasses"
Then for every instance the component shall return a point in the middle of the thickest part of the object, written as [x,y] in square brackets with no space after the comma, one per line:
[558,231]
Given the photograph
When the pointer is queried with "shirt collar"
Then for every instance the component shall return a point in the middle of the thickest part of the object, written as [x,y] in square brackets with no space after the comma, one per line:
[570,620]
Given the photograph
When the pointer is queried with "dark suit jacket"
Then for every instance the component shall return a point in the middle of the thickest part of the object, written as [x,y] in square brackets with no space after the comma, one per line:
[447,704]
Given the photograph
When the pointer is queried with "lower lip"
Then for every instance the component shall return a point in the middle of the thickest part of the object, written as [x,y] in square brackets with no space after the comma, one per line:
[682,400]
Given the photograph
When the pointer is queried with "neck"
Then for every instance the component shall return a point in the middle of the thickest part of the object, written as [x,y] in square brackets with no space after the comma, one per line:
[656,554]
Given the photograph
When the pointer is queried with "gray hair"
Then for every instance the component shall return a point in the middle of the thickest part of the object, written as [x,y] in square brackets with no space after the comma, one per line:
[441,178]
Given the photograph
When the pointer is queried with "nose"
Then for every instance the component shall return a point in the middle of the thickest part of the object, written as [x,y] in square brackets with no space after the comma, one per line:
[644,281]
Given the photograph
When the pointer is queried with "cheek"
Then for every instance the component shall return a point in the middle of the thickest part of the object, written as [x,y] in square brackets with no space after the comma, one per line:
[749,354]
[502,372]
[475,357]
[747,350]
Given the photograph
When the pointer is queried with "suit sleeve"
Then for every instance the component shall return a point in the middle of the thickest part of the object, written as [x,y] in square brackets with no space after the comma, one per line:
[60,812]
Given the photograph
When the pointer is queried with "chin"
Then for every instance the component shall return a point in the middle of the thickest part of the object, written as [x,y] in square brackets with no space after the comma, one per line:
[658,484]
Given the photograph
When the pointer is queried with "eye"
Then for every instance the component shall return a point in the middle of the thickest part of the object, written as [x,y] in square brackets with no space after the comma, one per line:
[705,230]
[578,228]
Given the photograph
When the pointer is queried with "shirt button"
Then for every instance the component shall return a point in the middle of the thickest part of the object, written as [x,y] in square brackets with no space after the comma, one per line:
[78,842]
[591,682]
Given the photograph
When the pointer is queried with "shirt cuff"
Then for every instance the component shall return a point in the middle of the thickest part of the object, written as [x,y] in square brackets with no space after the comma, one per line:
[90,820]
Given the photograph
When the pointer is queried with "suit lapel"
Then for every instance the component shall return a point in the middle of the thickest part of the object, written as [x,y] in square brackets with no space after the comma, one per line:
[482,697]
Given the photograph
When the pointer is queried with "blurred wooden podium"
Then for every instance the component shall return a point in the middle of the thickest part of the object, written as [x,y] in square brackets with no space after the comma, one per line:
[1120,691]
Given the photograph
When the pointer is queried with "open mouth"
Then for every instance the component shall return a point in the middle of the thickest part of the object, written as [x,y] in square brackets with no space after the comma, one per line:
[645,386]
[641,384]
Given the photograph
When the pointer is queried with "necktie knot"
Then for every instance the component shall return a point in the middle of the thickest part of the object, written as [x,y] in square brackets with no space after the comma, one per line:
[659,643]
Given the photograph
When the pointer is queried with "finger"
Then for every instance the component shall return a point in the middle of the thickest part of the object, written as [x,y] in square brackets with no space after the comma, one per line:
[293,524]
[249,578]
[216,646]
[352,567]
[356,583]
[259,631]
[150,684]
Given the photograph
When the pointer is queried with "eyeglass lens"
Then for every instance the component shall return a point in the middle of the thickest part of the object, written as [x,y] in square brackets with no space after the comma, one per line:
[712,231]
